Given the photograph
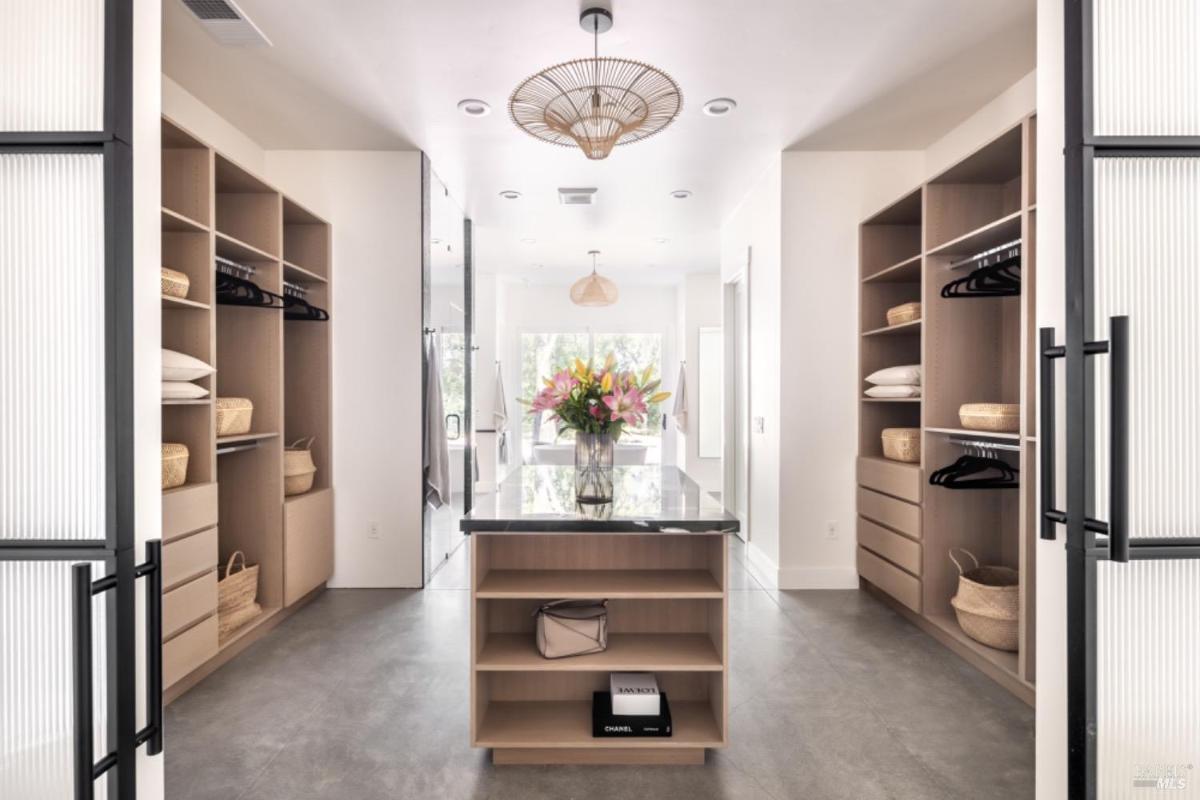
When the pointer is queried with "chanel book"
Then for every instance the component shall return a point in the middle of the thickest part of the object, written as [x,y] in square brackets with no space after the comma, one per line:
[607,724]
[634,694]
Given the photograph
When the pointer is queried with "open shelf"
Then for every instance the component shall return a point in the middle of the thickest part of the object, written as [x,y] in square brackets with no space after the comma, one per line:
[610,583]
[237,250]
[985,237]
[175,222]
[891,399]
[905,328]
[654,652]
[297,274]
[203,401]
[946,623]
[182,303]
[245,437]
[249,627]
[975,434]
[568,724]
[907,271]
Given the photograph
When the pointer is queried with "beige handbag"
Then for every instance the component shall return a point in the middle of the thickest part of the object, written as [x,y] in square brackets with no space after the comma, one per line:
[572,628]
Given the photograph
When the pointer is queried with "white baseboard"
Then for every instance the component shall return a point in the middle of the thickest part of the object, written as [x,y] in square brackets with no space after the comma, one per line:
[818,578]
[761,567]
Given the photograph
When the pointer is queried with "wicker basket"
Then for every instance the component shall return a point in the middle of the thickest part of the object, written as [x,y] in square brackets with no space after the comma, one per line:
[234,415]
[987,603]
[175,283]
[995,417]
[298,467]
[237,595]
[902,444]
[909,312]
[174,465]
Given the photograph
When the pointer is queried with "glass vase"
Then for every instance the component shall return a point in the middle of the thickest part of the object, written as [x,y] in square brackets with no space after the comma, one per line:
[593,468]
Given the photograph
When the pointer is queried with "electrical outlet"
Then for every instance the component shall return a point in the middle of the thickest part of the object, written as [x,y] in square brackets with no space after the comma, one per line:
[760,424]
[831,529]
[372,530]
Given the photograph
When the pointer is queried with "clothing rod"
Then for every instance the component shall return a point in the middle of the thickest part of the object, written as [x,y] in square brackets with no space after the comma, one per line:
[998,248]
[984,444]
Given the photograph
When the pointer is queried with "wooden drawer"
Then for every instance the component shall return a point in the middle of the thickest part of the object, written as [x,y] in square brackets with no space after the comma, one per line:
[189,650]
[897,514]
[898,549]
[890,477]
[191,601]
[187,509]
[890,578]
[307,543]
[184,559]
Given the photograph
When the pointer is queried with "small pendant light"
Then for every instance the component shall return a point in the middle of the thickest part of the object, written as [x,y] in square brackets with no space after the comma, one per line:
[594,290]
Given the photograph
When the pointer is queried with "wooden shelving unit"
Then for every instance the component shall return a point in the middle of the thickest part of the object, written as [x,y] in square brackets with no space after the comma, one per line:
[214,207]
[668,612]
[974,350]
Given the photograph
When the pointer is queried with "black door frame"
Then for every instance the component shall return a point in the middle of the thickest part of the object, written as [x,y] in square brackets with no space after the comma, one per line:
[116,550]
[1088,540]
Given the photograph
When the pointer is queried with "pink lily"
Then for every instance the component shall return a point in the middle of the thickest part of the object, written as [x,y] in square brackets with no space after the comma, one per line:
[626,404]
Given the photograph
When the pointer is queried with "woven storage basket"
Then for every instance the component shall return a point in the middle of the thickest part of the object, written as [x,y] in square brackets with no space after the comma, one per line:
[909,312]
[175,283]
[174,465]
[996,417]
[987,603]
[298,467]
[902,444]
[234,415]
[237,595]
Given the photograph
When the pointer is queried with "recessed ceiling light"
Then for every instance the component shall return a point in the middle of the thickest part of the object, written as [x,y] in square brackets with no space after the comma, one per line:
[435,241]
[528,240]
[474,108]
[681,194]
[720,106]
[510,194]
[661,240]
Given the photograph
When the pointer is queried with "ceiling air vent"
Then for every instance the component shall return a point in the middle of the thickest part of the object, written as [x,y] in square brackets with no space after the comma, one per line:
[227,23]
[577,197]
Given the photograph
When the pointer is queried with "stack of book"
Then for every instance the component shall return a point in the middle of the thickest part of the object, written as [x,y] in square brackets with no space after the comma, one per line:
[633,706]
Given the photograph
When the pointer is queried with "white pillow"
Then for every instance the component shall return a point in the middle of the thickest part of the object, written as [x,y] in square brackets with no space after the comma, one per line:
[182,390]
[908,375]
[894,391]
[182,367]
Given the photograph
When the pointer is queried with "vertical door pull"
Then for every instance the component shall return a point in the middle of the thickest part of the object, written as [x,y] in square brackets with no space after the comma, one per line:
[151,735]
[81,676]
[1046,435]
[1118,452]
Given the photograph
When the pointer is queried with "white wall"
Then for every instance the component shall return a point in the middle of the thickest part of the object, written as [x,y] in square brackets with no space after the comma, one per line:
[699,307]
[373,202]
[750,245]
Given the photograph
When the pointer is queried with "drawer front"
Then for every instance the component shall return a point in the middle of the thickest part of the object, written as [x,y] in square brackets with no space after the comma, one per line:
[890,477]
[307,543]
[188,509]
[189,650]
[897,514]
[184,559]
[192,601]
[898,549]
[890,578]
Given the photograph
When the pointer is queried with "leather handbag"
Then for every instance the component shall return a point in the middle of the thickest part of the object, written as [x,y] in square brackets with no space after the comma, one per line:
[572,628]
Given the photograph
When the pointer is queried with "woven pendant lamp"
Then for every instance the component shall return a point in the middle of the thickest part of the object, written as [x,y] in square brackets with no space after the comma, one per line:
[594,290]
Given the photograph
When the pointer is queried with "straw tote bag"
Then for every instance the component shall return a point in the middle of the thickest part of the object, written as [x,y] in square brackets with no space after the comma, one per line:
[237,593]
[988,603]
[572,628]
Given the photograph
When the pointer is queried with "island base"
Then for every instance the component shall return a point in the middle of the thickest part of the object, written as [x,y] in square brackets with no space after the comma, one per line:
[602,756]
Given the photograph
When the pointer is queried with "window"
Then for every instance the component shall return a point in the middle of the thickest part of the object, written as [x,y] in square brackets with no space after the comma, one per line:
[542,353]
[454,382]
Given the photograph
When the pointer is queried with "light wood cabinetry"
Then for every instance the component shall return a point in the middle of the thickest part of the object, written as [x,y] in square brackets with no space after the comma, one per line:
[668,612]
[972,351]
[234,495]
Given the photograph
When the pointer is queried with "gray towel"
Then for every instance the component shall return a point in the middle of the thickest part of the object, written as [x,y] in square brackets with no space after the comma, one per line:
[500,416]
[436,447]
[680,411]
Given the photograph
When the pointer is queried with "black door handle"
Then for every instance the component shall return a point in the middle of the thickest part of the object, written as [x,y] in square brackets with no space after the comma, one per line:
[1047,435]
[1118,446]
[151,735]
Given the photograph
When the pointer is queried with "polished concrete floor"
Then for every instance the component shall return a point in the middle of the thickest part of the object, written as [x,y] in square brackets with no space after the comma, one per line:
[363,695]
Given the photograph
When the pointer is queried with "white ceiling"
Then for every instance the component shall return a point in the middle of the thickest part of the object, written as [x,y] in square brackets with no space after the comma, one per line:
[807,74]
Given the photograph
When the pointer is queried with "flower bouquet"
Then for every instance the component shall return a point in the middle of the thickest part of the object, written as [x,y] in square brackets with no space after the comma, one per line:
[597,405]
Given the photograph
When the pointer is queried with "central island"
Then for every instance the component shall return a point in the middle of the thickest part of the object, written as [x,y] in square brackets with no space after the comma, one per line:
[658,553]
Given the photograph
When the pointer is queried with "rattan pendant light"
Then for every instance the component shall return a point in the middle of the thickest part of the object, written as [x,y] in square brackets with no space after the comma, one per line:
[595,103]
[594,290]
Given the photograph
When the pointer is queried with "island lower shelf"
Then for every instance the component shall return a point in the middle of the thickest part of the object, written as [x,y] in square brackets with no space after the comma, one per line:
[668,614]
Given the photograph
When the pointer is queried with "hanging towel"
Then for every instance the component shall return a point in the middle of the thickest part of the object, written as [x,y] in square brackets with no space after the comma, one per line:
[436,447]
[500,416]
[680,411]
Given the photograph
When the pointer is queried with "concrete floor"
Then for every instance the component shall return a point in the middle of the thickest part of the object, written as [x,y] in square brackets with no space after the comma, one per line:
[363,695]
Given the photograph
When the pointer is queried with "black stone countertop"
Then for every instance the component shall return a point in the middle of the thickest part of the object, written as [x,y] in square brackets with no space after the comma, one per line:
[646,499]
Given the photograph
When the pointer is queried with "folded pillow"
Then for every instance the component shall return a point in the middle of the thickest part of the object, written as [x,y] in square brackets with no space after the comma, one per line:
[894,391]
[908,375]
[182,390]
[182,367]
